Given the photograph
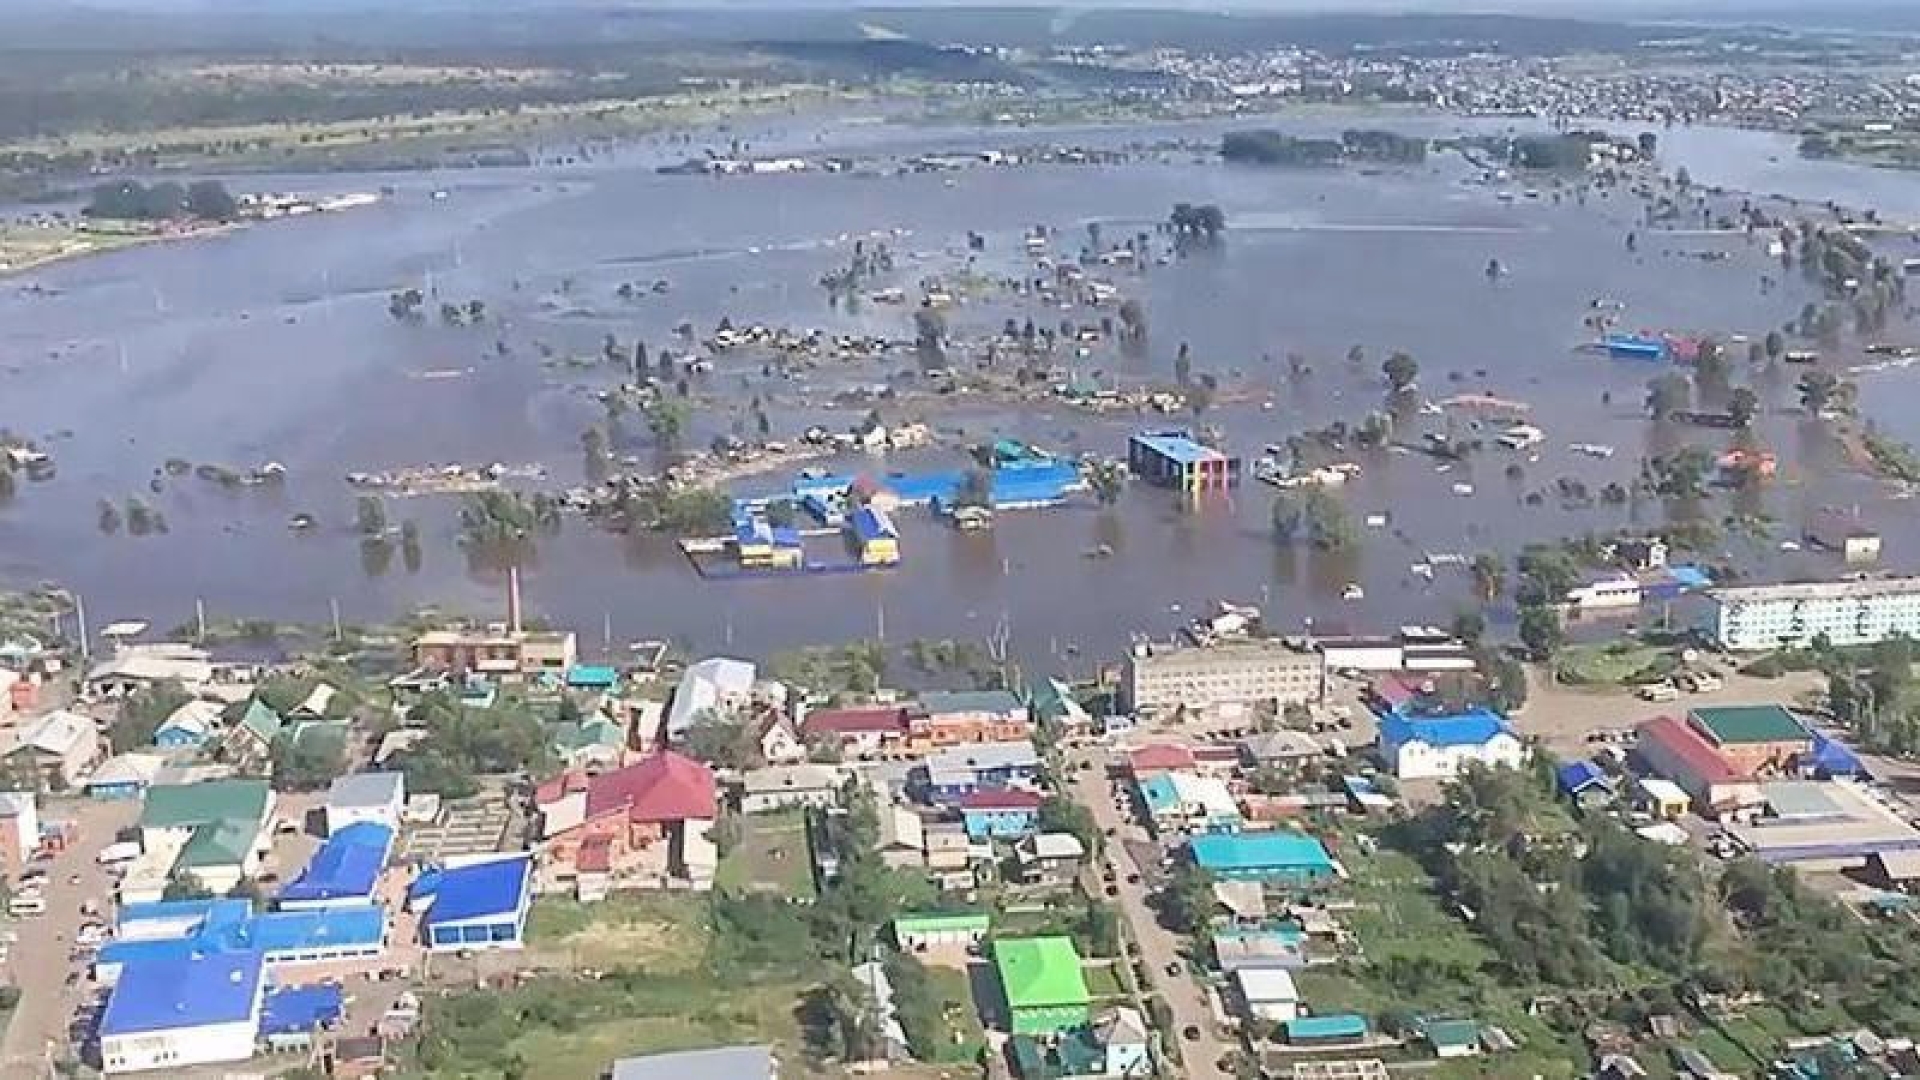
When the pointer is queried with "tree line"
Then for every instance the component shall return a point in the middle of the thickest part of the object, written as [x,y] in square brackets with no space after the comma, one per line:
[130,200]
[1268,147]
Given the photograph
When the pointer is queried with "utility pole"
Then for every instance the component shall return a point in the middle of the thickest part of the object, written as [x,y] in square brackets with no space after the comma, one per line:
[333,605]
[80,616]
[200,619]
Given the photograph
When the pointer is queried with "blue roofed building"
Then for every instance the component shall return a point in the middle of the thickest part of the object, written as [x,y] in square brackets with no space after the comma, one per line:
[477,903]
[296,1009]
[1584,782]
[344,872]
[198,1009]
[875,536]
[279,938]
[599,676]
[1438,747]
[1284,858]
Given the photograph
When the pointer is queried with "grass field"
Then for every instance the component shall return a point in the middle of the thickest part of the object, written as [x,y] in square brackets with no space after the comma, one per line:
[1103,982]
[770,856]
[1613,663]
[654,931]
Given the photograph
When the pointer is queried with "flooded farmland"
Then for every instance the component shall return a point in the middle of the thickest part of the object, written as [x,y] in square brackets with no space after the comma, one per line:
[275,344]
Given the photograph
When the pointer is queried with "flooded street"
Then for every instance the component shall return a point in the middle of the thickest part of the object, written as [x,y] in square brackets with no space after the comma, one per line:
[274,344]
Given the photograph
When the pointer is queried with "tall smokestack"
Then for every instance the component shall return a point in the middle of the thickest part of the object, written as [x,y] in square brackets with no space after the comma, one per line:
[513,599]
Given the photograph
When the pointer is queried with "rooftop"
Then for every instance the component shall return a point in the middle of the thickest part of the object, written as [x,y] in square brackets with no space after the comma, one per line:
[1259,851]
[664,787]
[1474,727]
[999,799]
[936,702]
[370,790]
[1040,971]
[1690,748]
[981,756]
[930,922]
[1266,984]
[348,864]
[192,991]
[1178,446]
[58,732]
[182,806]
[1817,590]
[724,1063]
[1159,757]
[489,887]
[880,718]
[1733,725]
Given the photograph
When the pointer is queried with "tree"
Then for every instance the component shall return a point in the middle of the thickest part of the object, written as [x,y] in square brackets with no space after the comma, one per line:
[186,885]
[1776,345]
[722,740]
[1743,405]
[370,515]
[1540,630]
[1401,370]
[1061,814]
[976,489]
[1183,364]
[1186,903]
[1108,479]
[1489,577]
[209,200]
[667,419]
[1546,573]
[1821,391]
[1680,476]
[1316,516]
[141,713]
[307,760]
[1668,394]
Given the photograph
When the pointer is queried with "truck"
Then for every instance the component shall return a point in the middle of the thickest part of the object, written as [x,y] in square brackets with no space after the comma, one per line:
[125,851]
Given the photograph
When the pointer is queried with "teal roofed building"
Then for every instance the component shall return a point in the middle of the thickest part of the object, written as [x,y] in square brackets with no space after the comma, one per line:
[249,739]
[1284,858]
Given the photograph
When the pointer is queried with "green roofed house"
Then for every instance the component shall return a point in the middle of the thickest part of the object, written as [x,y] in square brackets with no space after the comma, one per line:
[918,931]
[212,828]
[1046,991]
[1753,738]
[1452,1038]
[249,740]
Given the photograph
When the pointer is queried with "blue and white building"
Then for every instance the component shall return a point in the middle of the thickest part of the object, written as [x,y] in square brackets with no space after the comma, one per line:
[962,770]
[170,931]
[196,1009]
[1438,747]
[474,903]
[1761,618]
[345,872]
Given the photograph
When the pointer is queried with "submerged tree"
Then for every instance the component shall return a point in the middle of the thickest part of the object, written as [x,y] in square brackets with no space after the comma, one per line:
[502,528]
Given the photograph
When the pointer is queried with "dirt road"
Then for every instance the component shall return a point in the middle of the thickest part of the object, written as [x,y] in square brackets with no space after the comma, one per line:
[1158,946]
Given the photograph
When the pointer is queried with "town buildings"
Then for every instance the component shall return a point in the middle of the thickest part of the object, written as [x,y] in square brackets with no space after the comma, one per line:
[1758,618]
[57,748]
[1046,992]
[786,787]
[920,931]
[1411,648]
[215,830]
[1420,747]
[1285,858]
[962,770]
[1267,994]
[474,902]
[178,1014]
[863,732]
[19,830]
[999,813]
[717,684]
[498,651]
[1050,859]
[960,717]
[376,798]
[1230,674]
[1188,802]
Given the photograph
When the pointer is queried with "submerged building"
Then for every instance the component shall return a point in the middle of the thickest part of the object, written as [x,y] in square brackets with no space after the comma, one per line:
[1176,459]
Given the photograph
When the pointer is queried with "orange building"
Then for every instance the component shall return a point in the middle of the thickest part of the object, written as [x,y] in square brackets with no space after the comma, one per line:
[963,717]
[647,825]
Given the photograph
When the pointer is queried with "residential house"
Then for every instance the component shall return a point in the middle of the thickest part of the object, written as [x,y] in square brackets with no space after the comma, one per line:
[864,732]
[959,771]
[1046,991]
[945,719]
[377,798]
[1240,902]
[57,748]
[786,787]
[132,668]
[1451,1038]
[1122,1032]
[1050,701]
[215,829]
[125,776]
[1585,783]
[1000,813]
[645,825]
[1277,947]
[1054,859]
[1291,859]
[1186,802]
[248,743]
[920,931]
[1284,748]
[949,851]
[594,744]
[716,684]
[902,842]
[189,726]
[314,706]
[1156,758]
[1267,994]
[1438,747]
[497,651]
[19,830]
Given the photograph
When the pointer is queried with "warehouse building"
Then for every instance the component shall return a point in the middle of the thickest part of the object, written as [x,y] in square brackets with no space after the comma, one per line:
[345,872]
[1754,738]
[1676,751]
[476,902]
[175,1014]
[1163,678]
[172,930]
[1760,618]
[1283,858]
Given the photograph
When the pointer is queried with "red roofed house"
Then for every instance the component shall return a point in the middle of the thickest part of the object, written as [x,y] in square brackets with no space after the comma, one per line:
[1000,813]
[867,731]
[644,826]
[1159,758]
[1674,750]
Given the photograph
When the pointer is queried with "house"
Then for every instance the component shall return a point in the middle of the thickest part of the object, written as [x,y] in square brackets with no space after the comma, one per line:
[1240,902]
[125,776]
[314,705]
[1267,994]
[1585,783]
[716,684]
[875,537]
[1050,858]
[1046,991]
[1331,1030]
[190,725]
[19,829]
[58,748]
[1157,758]
[133,668]
[953,773]
[593,744]
[1664,799]
[1283,748]
[1894,869]
[475,902]
[780,742]
[215,829]
[955,718]
[1284,858]
[496,651]
[871,977]
[645,825]
[724,1063]
[785,787]
[1122,1033]
[920,931]
[1451,1038]
[248,742]
[1000,813]
[1279,947]
[1438,747]
[376,798]
[1178,802]
[864,732]
[180,1013]
[345,871]
[902,842]
[1050,701]
[948,848]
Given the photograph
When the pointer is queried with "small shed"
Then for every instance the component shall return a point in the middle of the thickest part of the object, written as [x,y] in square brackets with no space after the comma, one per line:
[1452,1038]
[1894,869]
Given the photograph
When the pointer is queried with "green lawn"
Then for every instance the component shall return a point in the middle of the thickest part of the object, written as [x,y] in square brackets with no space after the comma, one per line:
[1613,663]
[770,855]
[964,1033]
[1103,982]
[656,931]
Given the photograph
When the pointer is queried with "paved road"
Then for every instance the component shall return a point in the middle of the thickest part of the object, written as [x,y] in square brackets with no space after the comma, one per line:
[1158,946]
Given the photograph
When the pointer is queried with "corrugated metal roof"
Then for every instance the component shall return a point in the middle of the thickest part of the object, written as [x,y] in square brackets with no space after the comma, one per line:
[348,864]
[189,992]
[476,890]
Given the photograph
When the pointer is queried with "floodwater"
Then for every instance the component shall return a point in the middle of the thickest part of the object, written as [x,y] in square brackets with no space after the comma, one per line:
[273,343]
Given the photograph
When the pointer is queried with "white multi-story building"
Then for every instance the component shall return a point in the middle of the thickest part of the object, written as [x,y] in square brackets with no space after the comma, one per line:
[1763,617]
[1162,678]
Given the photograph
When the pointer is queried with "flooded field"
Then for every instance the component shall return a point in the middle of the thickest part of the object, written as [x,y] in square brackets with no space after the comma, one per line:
[275,344]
